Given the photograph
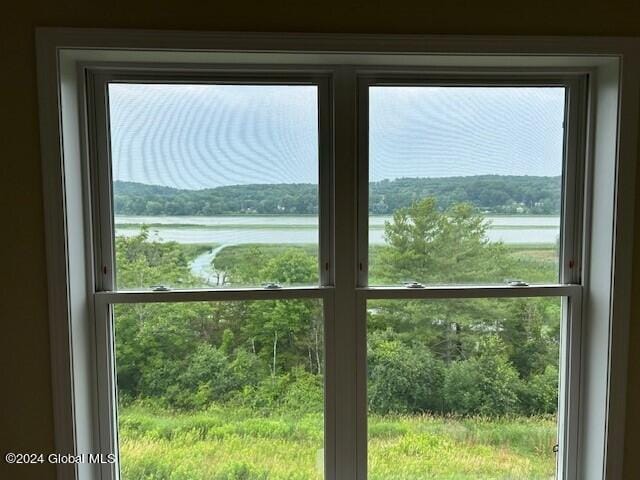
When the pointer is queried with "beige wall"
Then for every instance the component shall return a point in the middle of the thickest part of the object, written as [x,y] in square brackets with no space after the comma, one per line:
[25,396]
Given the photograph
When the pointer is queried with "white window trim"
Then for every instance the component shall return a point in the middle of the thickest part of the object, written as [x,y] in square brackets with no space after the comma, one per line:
[614,68]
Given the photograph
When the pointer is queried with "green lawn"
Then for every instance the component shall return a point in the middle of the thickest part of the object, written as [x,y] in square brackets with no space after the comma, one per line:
[226,444]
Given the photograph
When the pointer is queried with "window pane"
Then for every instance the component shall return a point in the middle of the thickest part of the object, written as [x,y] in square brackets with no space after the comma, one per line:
[225,390]
[222,178]
[463,389]
[465,184]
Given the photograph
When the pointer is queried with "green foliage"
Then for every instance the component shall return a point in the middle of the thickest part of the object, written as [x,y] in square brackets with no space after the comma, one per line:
[495,194]
[295,392]
[241,471]
[490,193]
[540,394]
[430,246]
[197,354]
[207,378]
[292,267]
[530,331]
[140,199]
[257,264]
[143,263]
[403,377]
[190,356]
[483,385]
[222,442]
[488,357]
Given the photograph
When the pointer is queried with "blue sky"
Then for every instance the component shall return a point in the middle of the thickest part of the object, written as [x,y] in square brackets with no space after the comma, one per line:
[204,136]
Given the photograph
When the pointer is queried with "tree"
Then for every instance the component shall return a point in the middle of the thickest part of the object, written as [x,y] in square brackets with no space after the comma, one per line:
[430,246]
[489,193]
[293,267]
[142,263]
[274,326]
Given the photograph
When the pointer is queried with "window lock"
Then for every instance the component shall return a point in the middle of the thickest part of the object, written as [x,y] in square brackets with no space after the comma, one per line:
[159,288]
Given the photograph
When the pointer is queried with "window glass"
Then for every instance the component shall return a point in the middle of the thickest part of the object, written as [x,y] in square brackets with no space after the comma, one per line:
[465,184]
[220,390]
[463,389]
[222,177]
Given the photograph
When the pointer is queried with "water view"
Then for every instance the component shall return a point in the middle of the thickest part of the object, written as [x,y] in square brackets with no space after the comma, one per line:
[233,230]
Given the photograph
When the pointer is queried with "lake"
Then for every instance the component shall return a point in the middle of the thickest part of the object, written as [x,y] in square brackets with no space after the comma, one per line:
[233,230]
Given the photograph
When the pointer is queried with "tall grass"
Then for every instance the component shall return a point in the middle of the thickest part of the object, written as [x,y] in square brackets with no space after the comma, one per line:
[232,444]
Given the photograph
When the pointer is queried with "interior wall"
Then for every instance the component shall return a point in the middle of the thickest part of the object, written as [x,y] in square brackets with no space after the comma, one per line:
[26,423]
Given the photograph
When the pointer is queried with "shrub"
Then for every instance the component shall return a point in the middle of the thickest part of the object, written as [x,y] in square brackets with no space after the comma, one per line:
[305,394]
[402,378]
[484,385]
[297,391]
[207,378]
[540,394]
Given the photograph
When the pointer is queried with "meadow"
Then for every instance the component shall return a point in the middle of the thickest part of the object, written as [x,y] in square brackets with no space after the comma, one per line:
[235,444]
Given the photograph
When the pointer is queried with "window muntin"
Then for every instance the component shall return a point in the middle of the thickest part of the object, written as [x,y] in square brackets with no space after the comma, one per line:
[217,171]
[229,389]
[467,180]
[463,388]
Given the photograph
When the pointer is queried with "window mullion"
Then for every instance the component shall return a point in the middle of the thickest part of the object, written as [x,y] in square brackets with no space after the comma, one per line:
[349,438]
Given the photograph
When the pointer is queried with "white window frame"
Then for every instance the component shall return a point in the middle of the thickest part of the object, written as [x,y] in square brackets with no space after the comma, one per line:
[80,342]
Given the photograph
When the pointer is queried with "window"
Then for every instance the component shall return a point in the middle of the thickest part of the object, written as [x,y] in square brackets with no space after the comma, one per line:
[215,184]
[304,265]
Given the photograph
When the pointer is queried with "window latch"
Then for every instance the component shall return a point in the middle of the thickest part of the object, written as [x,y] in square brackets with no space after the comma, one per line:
[413,285]
[272,286]
[517,283]
[159,288]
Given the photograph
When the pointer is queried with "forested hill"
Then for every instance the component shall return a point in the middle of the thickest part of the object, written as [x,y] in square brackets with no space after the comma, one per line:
[490,193]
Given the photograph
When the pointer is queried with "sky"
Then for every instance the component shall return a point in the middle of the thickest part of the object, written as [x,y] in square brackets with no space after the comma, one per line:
[205,136]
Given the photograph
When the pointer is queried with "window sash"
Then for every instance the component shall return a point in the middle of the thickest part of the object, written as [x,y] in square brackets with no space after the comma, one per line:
[573,172]
[569,372]
[100,166]
[107,415]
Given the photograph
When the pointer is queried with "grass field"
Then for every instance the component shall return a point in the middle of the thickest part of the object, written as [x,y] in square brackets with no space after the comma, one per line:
[235,254]
[226,444]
